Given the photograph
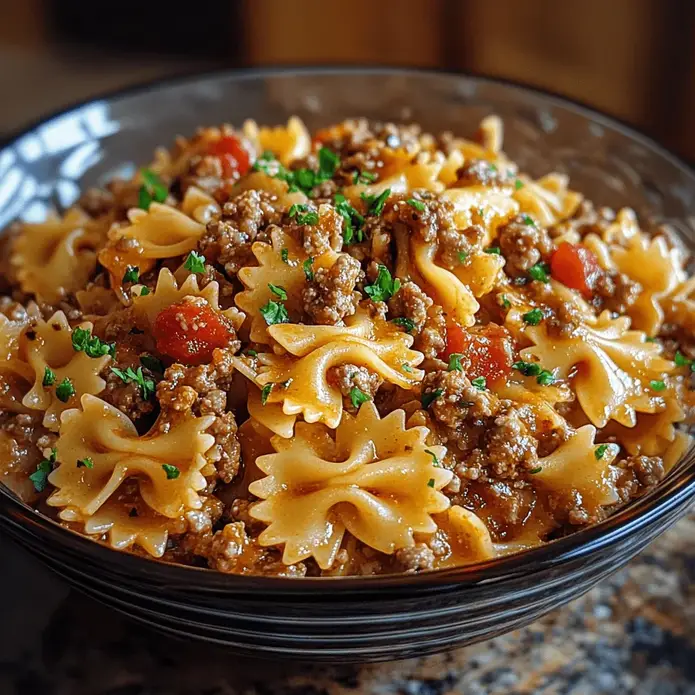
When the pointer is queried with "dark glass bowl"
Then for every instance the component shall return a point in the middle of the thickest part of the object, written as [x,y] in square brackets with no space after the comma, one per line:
[356,619]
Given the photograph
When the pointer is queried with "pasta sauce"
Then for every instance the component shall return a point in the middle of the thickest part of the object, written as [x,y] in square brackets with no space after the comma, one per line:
[370,351]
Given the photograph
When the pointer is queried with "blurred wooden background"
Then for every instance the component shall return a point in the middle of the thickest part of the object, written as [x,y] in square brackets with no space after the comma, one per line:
[632,58]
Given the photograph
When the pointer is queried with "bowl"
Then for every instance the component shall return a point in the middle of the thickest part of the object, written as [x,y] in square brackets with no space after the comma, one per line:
[370,618]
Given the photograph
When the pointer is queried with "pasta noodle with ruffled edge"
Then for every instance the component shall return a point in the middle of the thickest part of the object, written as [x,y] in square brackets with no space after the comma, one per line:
[377,481]
[57,257]
[101,433]
[287,143]
[615,366]
[548,200]
[48,344]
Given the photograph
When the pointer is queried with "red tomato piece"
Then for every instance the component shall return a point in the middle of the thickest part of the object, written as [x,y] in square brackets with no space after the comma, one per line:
[232,154]
[485,351]
[189,331]
[575,266]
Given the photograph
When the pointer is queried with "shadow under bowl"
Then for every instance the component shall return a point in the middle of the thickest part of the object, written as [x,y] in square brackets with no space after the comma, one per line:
[371,618]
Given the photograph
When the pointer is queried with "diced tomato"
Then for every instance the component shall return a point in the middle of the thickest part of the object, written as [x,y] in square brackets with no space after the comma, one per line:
[575,266]
[189,331]
[485,351]
[234,157]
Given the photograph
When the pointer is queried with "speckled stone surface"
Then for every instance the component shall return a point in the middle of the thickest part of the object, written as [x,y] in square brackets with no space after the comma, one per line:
[634,635]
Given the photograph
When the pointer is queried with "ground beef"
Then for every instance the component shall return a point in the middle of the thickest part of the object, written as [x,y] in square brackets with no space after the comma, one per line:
[615,291]
[523,245]
[127,397]
[331,295]
[563,320]
[325,235]
[203,390]
[416,559]
[433,223]
[412,303]
[509,446]
[649,470]
[97,202]
[480,172]
[431,341]
[457,402]
[228,236]
[349,376]
[586,220]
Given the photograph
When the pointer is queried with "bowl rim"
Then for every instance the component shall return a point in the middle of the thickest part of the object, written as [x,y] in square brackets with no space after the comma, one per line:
[673,492]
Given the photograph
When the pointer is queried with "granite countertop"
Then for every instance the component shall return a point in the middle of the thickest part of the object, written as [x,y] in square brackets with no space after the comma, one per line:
[632,635]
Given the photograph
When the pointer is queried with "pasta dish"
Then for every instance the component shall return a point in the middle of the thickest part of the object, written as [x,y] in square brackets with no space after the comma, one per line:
[361,351]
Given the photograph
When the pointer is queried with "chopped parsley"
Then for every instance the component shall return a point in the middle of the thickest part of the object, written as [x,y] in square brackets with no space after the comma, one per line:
[130,376]
[540,272]
[172,471]
[533,317]
[144,291]
[600,450]
[252,353]
[435,460]
[651,339]
[364,177]
[278,291]
[65,390]
[304,180]
[285,255]
[657,385]
[417,204]
[49,377]
[682,361]
[154,364]
[494,250]
[375,203]
[384,287]
[455,362]
[535,470]
[153,189]
[429,398]
[308,270]
[403,322]
[527,220]
[132,274]
[265,392]
[407,368]
[274,312]
[505,302]
[195,262]
[430,482]
[518,184]
[480,383]
[353,221]
[357,397]
[84,341]
[303,214]
[462,256]
[86,462]
[40,476]
[543,376]
[328,164]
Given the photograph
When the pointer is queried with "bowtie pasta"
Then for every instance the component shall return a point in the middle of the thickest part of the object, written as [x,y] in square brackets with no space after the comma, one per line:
[363,350]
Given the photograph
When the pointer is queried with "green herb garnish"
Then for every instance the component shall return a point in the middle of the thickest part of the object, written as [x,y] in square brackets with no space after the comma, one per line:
[384,287]
[172,471]
[540,272]
[428,398]
[129,376]
[308,271]
[494,250]
[364,177]
[40,476]
[303,214]
[352,220]
[535,470]
[406,323]
[144,291]
[480,383]
[278,291]
[600,450]
[657,385]
[527,220]
[195,262]
[86,462]
[462,256]
[545,378]
[375,203]
[533,317]
[357,397]
[49,377]
[265,392]
[84,341]
[132,274]
[65,390]
[430,482]
[518,184]
[455,362]
[417,204]
[274,312]
[505,302]
[435,460]
[153,189]
[407,368]
[285,255]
